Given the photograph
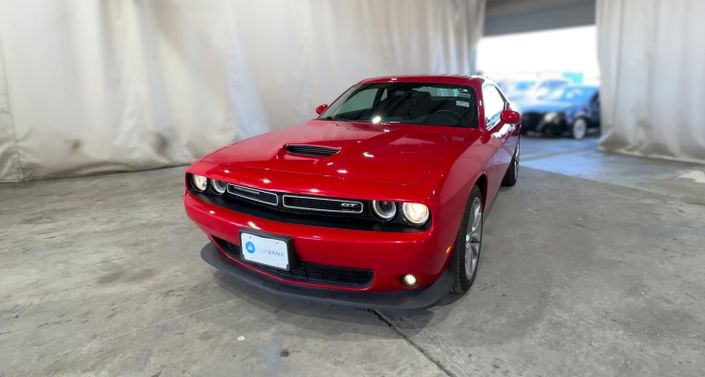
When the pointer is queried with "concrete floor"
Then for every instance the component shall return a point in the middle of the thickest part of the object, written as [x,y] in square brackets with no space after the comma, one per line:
[593,265]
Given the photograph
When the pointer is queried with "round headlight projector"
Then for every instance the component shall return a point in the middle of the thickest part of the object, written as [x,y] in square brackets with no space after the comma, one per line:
[415,213]
[384,210]
[199,182]
[218,186]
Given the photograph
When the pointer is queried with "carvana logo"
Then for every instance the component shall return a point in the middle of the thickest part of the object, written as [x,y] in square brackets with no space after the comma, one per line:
[250,247]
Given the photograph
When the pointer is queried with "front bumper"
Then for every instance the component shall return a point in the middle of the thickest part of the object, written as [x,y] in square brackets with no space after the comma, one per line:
[389,255]
[556,127]
[536,122]
[397,300]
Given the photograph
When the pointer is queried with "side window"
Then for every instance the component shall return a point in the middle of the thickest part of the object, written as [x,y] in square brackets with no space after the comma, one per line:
[360,101]
[494,104]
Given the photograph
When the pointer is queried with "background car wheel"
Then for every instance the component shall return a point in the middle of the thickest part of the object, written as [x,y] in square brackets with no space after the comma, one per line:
[579,128]
[512,174]
[469,243]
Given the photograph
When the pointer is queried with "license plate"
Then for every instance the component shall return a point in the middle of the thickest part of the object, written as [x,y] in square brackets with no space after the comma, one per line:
[267,250]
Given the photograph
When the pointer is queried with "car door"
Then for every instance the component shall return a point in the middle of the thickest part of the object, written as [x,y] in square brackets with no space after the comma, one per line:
[500,135]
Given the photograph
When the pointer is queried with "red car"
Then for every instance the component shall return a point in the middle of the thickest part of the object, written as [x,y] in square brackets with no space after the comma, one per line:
[378,202]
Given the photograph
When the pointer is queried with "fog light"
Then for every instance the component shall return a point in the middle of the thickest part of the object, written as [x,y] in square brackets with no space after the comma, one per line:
[409,281]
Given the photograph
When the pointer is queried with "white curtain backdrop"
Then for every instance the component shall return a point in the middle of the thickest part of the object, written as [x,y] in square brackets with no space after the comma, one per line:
[652,63]
[96,86]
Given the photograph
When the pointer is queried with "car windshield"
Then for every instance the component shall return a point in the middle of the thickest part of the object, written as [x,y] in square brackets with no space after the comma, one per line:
[412,103]
[575,94]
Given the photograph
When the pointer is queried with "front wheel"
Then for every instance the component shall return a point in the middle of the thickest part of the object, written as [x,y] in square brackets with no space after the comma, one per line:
[469,243]
[579,128]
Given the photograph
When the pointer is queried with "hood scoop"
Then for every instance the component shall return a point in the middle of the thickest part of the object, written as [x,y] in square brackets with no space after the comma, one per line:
[311,150]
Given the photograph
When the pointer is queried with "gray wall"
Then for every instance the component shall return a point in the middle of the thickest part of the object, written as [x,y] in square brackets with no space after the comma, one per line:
[517,16]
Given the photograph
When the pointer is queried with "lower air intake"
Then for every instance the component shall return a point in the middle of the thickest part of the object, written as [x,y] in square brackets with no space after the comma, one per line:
[309,272]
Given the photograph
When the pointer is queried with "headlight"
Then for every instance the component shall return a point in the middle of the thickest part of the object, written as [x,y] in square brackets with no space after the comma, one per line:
[415,213]
[218,186]
[551,117]
[384,210]
[199,182]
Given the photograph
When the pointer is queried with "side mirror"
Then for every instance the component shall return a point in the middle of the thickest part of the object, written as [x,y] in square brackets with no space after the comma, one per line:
[321,108]
[510,116]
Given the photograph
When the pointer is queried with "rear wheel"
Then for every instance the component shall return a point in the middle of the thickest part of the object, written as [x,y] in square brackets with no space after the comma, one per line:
[578,129]
[469,243]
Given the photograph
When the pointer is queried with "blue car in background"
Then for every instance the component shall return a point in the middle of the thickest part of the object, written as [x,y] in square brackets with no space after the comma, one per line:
[530,90]
[570,109]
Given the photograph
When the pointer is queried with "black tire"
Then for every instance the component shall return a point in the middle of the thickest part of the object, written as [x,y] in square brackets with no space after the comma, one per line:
[512,174]
[463,280]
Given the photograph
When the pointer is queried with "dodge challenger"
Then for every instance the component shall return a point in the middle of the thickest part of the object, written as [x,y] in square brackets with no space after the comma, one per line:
[378,202]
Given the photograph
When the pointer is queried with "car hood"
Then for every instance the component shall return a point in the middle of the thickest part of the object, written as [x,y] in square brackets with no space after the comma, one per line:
[395,154]
[547,106]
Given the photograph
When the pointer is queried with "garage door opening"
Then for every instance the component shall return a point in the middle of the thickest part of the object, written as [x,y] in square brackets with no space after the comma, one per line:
[552,77]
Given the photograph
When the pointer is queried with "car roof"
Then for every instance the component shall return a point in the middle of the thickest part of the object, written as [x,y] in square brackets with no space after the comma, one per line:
[438,79]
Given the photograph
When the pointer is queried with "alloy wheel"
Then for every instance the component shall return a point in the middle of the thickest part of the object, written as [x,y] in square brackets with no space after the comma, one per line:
[473,238]
[516,160]
[579,128]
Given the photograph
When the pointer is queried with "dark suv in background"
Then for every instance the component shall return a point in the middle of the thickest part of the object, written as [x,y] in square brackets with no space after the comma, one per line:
[572,109]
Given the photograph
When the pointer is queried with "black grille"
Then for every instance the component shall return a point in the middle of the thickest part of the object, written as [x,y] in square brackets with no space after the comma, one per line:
[306,210]
[311,150]
[309,272]
[253,194]
[322,205]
